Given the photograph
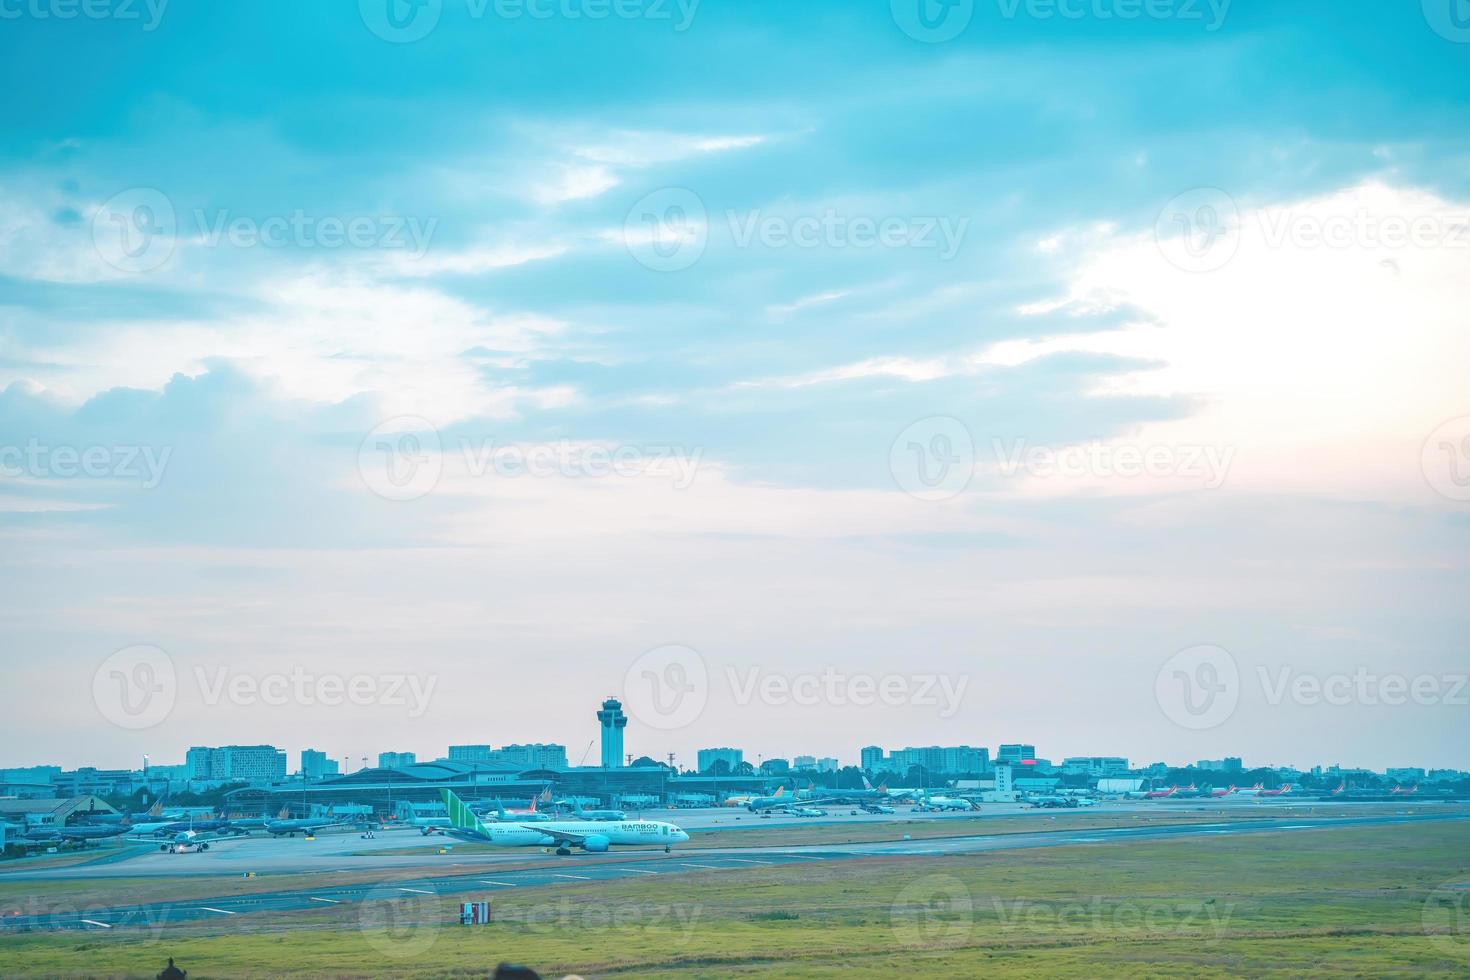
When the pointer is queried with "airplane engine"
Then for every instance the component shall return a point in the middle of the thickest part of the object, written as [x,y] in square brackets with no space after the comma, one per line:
[596,843]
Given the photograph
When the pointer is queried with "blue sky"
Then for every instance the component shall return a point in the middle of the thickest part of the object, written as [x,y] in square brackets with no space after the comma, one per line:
[781,243]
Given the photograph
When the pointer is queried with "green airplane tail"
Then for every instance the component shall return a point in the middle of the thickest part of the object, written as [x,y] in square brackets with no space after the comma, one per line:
[461,817]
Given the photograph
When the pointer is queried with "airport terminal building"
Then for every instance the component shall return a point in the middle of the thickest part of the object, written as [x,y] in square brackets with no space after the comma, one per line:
[387,790]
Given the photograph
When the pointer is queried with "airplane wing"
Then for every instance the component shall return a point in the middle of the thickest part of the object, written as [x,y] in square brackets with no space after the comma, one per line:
[560,836]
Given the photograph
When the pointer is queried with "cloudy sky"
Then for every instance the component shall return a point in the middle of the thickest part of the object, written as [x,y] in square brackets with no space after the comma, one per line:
[385,376]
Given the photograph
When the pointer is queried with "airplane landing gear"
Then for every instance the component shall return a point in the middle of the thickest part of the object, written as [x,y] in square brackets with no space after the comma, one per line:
[668,848]
[563,851]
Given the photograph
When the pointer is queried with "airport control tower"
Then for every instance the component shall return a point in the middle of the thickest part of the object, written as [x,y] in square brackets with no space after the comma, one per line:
[613,722]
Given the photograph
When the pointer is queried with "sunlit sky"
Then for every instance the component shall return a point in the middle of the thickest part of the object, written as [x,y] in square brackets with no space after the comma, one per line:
[874,308]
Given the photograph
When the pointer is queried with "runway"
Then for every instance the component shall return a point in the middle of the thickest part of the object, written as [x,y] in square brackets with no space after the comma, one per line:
[476,876]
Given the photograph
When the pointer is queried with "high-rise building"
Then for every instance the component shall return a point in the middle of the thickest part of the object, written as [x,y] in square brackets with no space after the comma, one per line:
[731,757]
[1094,765]
[776,767]
[1016,755]
[236,763]
[533,755]
[870,757]
[316,765]
[804,762]
[469,753]
[826,764]
[613,721]
[396,760]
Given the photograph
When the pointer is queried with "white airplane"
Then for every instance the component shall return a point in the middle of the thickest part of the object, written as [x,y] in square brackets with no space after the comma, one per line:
[927,802]
[593,836]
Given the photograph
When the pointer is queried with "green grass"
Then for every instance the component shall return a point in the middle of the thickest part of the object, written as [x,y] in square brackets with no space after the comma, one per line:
[1342,902]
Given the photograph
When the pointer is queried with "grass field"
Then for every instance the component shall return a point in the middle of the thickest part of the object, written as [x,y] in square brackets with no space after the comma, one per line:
[1340,902]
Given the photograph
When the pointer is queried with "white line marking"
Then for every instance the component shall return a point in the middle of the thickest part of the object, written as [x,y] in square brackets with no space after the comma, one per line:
[485,881]
[94,922]
[749,861]
[220,911]
[637,871]
[702,867]
[573,877]
[329,901]
[416,891]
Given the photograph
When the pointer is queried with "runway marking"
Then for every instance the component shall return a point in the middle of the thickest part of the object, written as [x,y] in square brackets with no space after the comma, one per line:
[749,861]
[1296,826]
[94,922]
[486,881]
[573,877]
[702,867]
[416,891]
[637,871]
[329,901]
[220,911]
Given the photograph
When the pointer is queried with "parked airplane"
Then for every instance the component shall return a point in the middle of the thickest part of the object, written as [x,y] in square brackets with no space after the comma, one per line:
[1161,794]
[589,835]
[867,794]
[532,815]
[1215,794]
[599,815]
[307,827]
[774,801]
[1283,791]
[1251,790]
[78,833]
[938,803]
[1404,790]
[875,808]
